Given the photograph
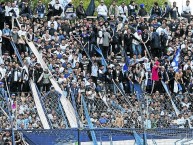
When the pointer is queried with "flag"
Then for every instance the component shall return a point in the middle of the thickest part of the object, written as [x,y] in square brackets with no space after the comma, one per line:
[127,62]
[91,8]
[138,139]
[175,62]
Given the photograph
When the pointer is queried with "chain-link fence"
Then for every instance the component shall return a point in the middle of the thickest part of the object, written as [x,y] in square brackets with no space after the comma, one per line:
[53,110]
[25,112]
[109,136]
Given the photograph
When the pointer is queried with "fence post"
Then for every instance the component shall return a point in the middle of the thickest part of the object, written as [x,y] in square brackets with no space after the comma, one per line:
[79,143]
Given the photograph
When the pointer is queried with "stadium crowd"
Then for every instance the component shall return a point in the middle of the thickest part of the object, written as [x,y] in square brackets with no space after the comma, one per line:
[140,52]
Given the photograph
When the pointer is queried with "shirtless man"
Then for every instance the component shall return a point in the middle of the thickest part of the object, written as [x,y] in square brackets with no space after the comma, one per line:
[119,122]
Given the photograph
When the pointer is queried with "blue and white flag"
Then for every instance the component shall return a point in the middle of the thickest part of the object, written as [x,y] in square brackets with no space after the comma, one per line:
[127,62]
[175,62]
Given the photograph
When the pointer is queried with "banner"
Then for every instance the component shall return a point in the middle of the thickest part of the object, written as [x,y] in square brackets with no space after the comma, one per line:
[90,9]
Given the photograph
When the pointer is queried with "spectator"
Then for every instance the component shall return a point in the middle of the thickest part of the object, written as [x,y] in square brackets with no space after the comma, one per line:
[80,12]
[40,10]
[132,8]
[156,11]
[174,11]
[186,12]
[166,10]
[142,12]
[70,11]
[114,10]
[102,10]
[123,12]
[26,10]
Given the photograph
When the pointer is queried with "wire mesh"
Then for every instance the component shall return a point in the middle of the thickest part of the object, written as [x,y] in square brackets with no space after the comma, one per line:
[54,111]
[25,112]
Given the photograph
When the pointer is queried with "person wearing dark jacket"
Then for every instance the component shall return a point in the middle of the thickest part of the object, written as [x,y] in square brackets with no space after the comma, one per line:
[118,76]
[174,13]
[142,12]
[156,11]
[155,44]
[2,13]
[15,78]
[80,12]
[26,10]
[57,9]
[70,11]
[163,76]
[37,74]
[166,10]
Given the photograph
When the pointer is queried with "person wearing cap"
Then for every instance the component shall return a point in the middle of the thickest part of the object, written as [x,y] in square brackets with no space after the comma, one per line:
[80,11]
[142,12]
[186,11]
[114,9]
[102,10]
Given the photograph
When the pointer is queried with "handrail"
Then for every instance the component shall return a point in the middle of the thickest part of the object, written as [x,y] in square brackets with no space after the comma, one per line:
[67,106]
[121,91]
[4,93]
[16,52]
[37,101]
[89,121]
[32,85]
[83,48]
[75,108]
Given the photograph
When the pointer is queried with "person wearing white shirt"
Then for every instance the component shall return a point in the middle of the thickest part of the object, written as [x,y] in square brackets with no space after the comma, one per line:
[0,43]
[136,46]
[180,121]
[16,10]
[54,22]
[123,12]
[2,71]
[102,10]
[8,8]
[21,42]
[186,11]
[94,72]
